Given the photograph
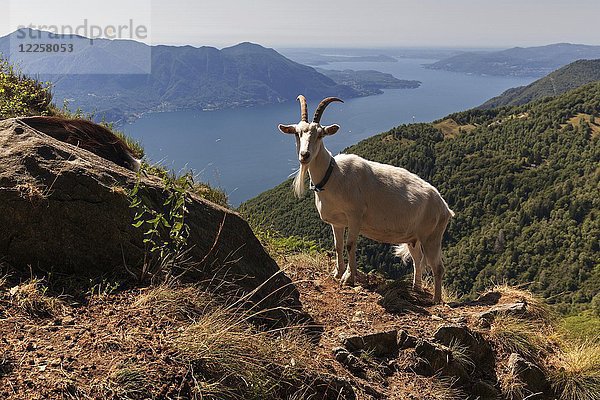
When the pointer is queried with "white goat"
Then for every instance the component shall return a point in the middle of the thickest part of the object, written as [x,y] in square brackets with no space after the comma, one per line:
[382,202]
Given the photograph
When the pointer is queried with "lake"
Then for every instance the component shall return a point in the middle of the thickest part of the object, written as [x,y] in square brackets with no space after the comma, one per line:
[242,151]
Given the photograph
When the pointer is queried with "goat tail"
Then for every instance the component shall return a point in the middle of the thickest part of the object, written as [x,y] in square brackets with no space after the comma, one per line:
[451,213]
[299,185]
[403,252]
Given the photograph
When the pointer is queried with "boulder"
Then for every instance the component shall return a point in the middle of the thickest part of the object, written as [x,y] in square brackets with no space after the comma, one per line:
[487,317]
[478,349]
[379,344]
[484,390]
[406,341]
[440,361]
[65,209]
[350,361]
[531,375]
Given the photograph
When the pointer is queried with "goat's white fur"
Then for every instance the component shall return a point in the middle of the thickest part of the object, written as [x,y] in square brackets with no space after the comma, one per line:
[382,202]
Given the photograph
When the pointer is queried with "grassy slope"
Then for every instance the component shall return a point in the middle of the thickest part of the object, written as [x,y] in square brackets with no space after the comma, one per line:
[524,185]
[560,81]
[184,341]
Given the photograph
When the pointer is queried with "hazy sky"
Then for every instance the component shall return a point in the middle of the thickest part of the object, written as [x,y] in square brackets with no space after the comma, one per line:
[341,23]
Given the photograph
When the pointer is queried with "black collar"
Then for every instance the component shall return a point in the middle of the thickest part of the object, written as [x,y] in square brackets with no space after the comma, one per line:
[321,185]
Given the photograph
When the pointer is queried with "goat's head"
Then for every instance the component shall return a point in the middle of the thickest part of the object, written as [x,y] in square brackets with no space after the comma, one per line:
[310,134]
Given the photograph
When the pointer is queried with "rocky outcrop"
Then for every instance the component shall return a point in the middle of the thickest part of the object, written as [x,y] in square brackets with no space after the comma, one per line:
[477,348]
[517,309]
[379,344]
[65,209]
[533,378]
[435,359]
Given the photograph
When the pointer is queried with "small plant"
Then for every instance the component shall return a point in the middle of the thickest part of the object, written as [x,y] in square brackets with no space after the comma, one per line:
[103,288]
[277,244]
[211,194]
[165,231]
[203,190]
[20,95]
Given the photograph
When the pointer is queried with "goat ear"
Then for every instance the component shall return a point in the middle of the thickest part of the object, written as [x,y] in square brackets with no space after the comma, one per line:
[287,128]
[331,129]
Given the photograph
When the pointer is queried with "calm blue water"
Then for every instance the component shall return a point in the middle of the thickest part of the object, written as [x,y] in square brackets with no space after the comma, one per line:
[242,151]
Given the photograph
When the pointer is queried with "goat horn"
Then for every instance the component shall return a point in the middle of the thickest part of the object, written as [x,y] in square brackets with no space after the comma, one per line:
[322,106]
[303,108]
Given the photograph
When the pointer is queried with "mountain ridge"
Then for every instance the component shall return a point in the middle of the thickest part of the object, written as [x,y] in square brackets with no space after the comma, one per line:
[569,77]
[518,61]
[120,79]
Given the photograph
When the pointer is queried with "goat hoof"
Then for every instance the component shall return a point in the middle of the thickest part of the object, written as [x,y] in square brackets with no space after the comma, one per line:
[347,280]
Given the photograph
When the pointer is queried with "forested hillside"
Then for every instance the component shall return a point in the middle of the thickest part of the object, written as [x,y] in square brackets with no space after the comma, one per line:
[524,183]
[560,81]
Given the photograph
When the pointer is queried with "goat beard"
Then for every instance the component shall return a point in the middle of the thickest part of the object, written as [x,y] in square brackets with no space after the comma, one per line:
[299,185]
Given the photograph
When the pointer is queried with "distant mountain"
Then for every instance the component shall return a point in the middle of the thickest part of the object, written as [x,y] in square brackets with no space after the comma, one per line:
[560,81]
[312,58]
[368,81]
[183,77]
[518,61]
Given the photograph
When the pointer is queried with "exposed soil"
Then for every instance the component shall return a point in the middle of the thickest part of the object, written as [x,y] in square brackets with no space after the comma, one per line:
[73,350]
[371,308]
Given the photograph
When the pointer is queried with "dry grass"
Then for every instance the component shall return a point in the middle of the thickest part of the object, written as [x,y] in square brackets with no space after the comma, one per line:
[576,121]
[537,308]
[444,389]
[227,353]
[31,192]
[576,374]
[517,335]
[451,128]
[512,387]
[185,303]
[434,388]
[31,297]
[461,354]
[448,295]
[126,382]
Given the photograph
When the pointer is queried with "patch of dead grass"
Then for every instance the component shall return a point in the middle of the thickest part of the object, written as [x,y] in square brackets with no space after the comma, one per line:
[182,302]
[31,297]
[226,351]
[517,335]
[537,308]
[576,372]
[450,128]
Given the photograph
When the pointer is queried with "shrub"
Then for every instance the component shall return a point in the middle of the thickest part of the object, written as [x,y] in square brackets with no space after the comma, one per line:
[20,95]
